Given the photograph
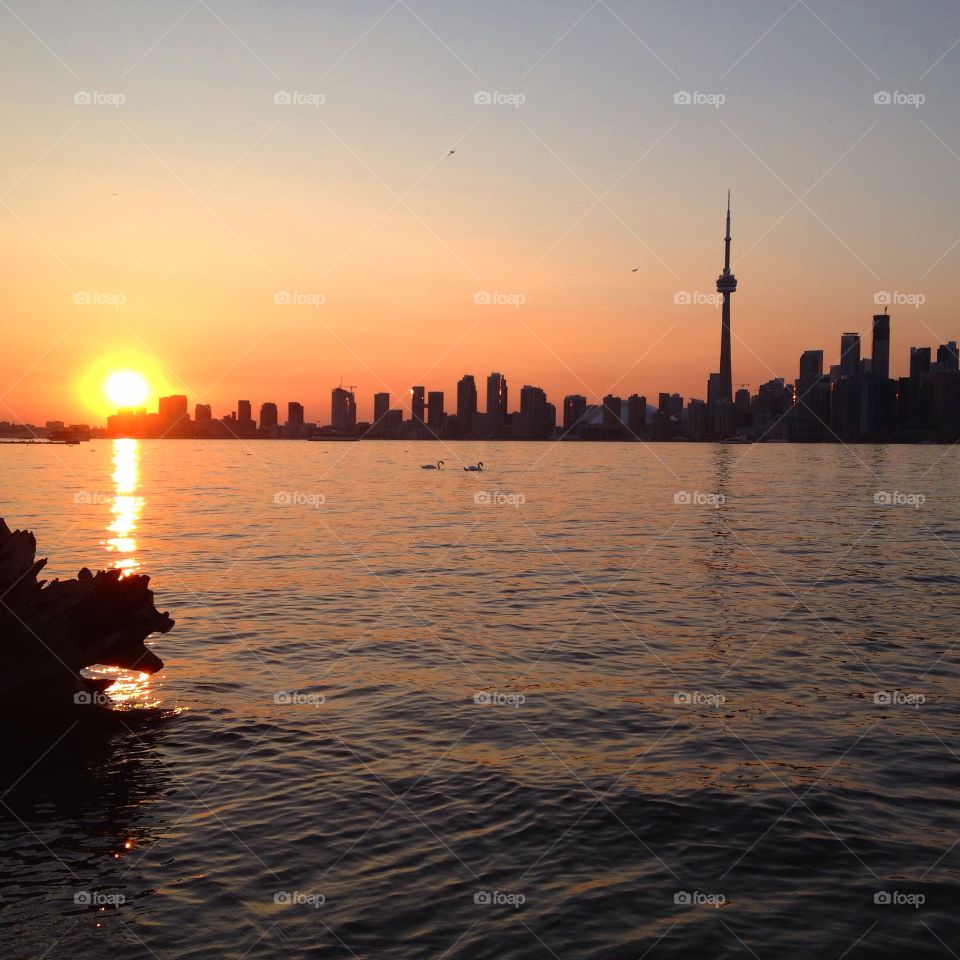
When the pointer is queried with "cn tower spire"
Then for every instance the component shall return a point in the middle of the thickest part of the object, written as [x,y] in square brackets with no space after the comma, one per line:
[726,284]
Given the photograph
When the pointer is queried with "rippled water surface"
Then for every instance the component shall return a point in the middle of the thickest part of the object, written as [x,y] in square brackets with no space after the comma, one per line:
[539,711]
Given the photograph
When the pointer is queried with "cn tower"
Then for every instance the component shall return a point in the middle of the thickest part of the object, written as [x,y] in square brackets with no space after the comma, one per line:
[726,284]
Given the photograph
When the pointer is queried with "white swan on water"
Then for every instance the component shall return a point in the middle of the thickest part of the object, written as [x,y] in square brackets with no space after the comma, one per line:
[431,466]
[477,469]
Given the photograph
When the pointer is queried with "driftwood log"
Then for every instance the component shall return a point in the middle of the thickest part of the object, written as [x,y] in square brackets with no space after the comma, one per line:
[50,631]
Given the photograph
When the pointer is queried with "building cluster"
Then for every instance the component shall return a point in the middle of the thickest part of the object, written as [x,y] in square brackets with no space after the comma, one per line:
[856,399]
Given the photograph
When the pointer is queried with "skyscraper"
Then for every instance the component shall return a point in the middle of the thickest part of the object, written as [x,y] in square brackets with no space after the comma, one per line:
[727,285]
[435,409]
[811,364]
[343,409]
[294,415]
[268,416]
[636,413]
[881,346]
[417,403]
[381,406]
[574,409]
[466,402]
[496,399]
[850,354]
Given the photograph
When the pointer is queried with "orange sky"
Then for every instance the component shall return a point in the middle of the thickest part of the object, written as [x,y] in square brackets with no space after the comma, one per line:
[184,211]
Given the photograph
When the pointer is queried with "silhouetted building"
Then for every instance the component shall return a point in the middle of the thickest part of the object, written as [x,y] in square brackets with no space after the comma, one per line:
[612,413]
[536,416]
[726,285]
[435,409]
[496,400]
[811,364]
[418,403]
[636,414]
[574,410]
[880,364]
[849,354]
[268,417]
[343,410]
[381,406]
[466,403]
[947,357]
[202,413]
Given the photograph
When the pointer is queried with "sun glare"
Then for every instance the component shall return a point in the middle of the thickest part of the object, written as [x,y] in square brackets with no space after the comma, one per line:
[126,389]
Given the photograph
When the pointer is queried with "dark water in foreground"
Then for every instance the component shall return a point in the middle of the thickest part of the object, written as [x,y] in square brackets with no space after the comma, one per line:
[578,721]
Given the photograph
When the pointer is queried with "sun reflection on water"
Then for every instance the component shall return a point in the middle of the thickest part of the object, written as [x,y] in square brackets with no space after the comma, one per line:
[126,505]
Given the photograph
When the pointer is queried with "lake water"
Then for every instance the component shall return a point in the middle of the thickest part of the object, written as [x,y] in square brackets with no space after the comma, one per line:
[544,710]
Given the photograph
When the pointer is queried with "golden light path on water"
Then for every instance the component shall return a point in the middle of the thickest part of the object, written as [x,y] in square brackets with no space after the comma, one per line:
[130,688]
[126,504]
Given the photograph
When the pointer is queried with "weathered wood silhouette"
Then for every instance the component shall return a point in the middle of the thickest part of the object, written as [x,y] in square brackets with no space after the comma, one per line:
[50,631]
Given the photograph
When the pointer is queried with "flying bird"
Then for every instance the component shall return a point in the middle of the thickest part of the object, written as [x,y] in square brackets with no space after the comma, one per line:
[635,269]
[451,153]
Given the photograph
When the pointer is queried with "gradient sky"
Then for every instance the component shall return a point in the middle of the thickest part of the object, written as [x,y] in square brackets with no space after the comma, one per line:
[199,198]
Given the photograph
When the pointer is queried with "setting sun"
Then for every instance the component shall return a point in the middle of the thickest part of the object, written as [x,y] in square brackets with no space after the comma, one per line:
[126,389]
